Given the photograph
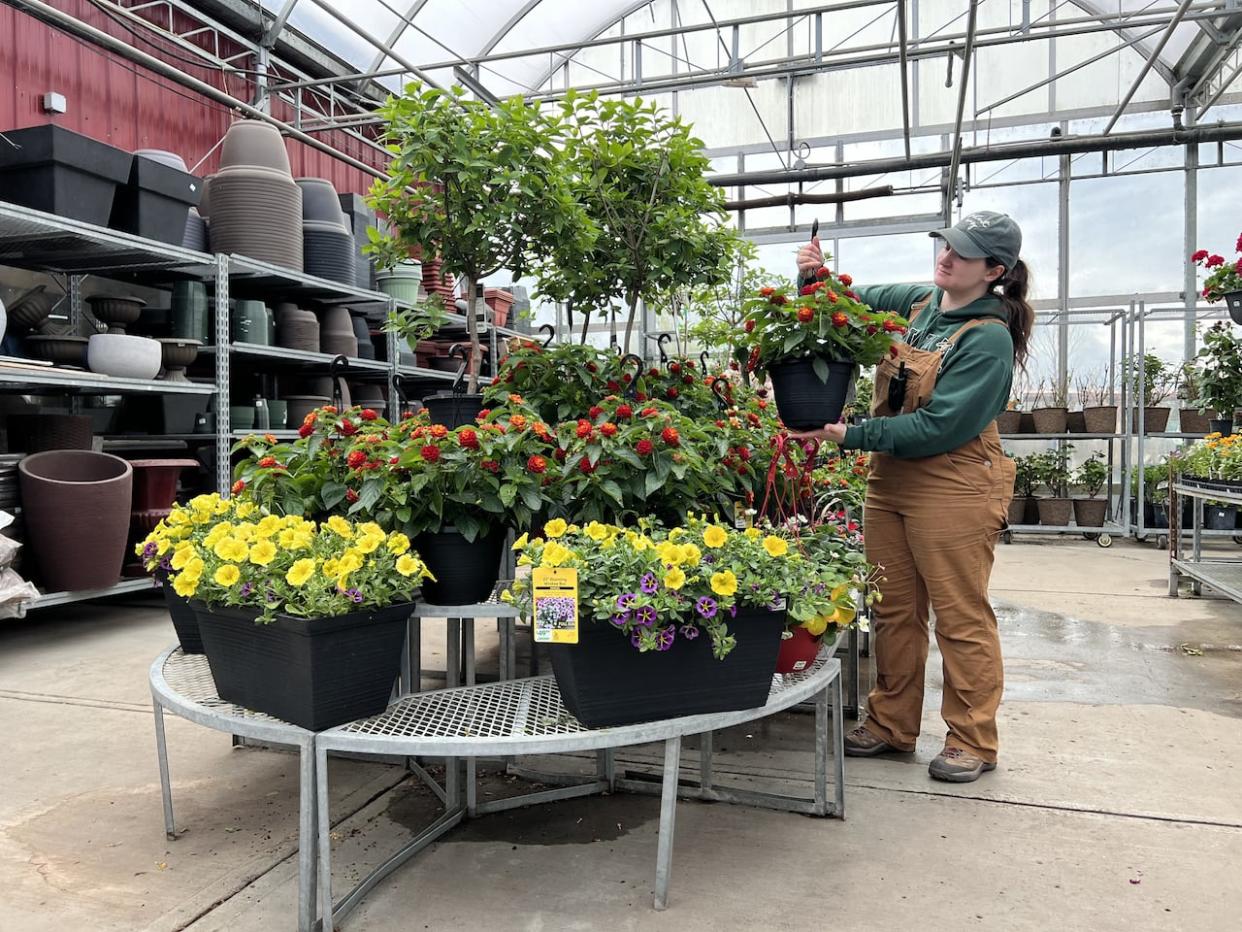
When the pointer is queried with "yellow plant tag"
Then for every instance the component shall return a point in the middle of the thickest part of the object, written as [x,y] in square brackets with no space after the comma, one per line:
[555,590]
[741,517]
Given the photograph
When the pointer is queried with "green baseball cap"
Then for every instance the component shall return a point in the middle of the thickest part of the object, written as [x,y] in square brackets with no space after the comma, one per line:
[985,235]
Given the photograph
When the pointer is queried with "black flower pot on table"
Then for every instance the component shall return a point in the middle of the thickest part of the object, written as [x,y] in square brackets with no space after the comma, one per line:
[452,410]
[184,618]
[804,400]
[604,680]
[465,572]
[316,673]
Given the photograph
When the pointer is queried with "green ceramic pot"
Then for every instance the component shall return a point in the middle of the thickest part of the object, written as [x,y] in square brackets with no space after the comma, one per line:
[250,323]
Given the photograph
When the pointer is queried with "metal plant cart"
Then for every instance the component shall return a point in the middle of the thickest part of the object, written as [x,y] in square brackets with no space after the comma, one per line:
[181,683]
[526,716]
[1224,576]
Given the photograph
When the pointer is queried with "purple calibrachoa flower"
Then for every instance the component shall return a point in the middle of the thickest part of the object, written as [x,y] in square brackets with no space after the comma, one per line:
[646,616]
[689,632]
[271,595]
[626,600]
[149,550]
[709,558]
[166,563]
[666,637]
[636,640]
[649,584]
[246,589]
[621,619]
[733,611]
[355,595]
[706,606]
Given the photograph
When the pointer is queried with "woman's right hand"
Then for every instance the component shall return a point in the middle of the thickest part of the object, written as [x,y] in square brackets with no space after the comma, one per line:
[810,258]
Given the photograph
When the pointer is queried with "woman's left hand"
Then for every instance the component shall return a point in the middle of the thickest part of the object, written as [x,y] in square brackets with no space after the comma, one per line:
[833,432]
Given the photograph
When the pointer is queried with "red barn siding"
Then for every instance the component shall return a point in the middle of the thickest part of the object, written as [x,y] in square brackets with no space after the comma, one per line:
[128,106]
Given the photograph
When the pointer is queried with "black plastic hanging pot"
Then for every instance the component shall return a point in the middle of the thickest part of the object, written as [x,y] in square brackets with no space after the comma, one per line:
[803,399]
[465,571]
[1233,301]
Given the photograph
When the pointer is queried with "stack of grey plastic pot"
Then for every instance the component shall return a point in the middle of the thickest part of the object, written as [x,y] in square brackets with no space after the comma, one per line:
[252,204]
[327,241]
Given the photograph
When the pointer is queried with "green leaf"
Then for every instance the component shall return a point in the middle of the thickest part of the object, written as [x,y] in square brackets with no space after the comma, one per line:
[508,495]
[820,365]
[332,494]
[532,499]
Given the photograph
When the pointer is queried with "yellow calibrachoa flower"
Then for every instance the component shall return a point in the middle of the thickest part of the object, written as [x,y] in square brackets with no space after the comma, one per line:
[520,544]
[245,509]
[244,532]
[183,556]
[596,531]
[676,534]
[398,543]
[691,554]
[300,572]
[194,569]
[227,575]
[753,533]
[263,553]
[775,546]
[675,578]
[291,539]
[341,527]
[367,543]
[715,536]
[351,562]
[555,528]
[231,549]
[407,565]
[268,526]
[177,516]
[555,554]
[331,568]
[185,586]
[370,529]
[724,583]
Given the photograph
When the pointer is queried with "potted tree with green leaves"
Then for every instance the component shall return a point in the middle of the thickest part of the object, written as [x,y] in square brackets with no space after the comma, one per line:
[1052,471]
[1220,376]
[1090,477]
[1190,419]
[641,176]
[1049,409]
[1022,505]
[1099,412]
[482,186]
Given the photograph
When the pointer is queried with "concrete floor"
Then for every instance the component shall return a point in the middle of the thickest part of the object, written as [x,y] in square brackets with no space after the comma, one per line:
[1117,803]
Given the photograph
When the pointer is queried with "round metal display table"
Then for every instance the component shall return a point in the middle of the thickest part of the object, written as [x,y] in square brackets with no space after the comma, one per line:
[181,684]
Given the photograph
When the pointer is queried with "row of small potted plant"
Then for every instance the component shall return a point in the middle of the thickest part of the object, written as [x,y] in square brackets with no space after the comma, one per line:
[1050,471]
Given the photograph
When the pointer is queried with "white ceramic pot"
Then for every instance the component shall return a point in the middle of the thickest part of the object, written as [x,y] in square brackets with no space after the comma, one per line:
[123,356]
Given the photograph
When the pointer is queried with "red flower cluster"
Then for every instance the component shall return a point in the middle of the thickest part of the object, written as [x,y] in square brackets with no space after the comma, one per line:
[608,429]
[430,453]
[584,430]
[1214,261]
[749,326]
[355,460]
[839,319]
[644,447]
[491,466]
[823,272]
[809,289]
[1202,254]
[348,427]
[468,439]
[846,279]
[306,430]
[351,496]
[672,391]
[645,412]
[537,464]
[238,487]
[595,412]
[439,431]
[670,436]
[806,314]
[268,462]
[368,414]
[584,464]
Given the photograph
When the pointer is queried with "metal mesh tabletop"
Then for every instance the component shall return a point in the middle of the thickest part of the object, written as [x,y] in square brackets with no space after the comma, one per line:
[527,716]
[491,607]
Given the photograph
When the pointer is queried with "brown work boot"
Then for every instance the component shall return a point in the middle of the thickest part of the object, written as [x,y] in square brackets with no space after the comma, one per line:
[862,743]
[954,765]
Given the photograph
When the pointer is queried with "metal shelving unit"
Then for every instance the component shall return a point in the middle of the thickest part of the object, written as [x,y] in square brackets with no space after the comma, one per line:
[1224,576]
[45,243]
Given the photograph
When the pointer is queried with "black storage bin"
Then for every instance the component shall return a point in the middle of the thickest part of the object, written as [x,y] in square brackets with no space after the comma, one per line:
[312,672]
[156,201]
[52,169]
[604,680]
[165,414]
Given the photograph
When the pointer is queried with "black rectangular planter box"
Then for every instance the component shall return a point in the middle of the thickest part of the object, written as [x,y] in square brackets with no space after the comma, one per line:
[604,680]
[184,619]
[60,172]
[155,202]
[312,672]
[166,414]
[1220,517]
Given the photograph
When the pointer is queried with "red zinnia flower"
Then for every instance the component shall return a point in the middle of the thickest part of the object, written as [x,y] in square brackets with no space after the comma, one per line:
[1214,261]
[584,464]
[418,432]
[833,296]
[806,314]
[891,326]
[351,496]
[537,464]
[491,466]
[766,292]
[1201,255]
[584,429]
[625,411]
[482,415]
[355,459]
[614,385]
[368,414]
[348,427]
[839,319]
[823,272]
[238,487]
[669,435]
[439,431]
[744,453]
[595,412]
[645,412]
[808,289]
[749,326]
[608,429]
[644,447]
[778,299]
[672,391]
[468,439]
[430,453]
[674,367]
[306,430]
[267,462]
[846,279]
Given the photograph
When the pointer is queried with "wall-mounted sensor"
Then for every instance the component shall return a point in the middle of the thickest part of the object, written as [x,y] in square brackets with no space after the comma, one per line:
[54,103]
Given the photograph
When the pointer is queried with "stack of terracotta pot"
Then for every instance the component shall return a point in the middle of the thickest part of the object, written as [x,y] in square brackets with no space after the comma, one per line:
[438,282]
[252,203]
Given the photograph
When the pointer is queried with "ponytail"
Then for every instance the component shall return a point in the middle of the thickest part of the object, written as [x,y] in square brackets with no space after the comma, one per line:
[1019,314]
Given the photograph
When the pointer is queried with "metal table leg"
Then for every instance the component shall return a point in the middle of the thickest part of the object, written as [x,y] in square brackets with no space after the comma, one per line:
[668,815]
[838,746]
[161,749]
[851,675]
[324,829]
[821,752]
[705,764]
[452,652]
[467,650]
[307,815]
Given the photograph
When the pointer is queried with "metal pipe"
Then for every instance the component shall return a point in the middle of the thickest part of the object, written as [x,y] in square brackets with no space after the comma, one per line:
[971,22]
[902,56]
[835,197]
[71,24]
[1220,132]
[1182,10]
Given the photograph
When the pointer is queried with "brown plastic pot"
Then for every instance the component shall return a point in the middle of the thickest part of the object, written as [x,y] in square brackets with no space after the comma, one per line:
[1100,419]
[1009,422]
[1055,512]
[1155,420]
[76,507]
[1190,421]
[1076,422]
[1026,423]
[1090,512]
[1050,420]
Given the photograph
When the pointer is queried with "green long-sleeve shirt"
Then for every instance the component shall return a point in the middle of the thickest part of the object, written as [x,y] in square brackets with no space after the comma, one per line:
[974,382]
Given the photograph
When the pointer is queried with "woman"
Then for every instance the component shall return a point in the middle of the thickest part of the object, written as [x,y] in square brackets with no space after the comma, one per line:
[939,489]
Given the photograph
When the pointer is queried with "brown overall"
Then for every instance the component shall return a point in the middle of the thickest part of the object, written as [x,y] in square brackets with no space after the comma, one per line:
[932,523]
